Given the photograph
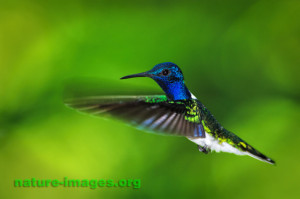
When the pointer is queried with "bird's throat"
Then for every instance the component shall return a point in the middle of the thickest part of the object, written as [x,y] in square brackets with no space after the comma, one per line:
[175,90]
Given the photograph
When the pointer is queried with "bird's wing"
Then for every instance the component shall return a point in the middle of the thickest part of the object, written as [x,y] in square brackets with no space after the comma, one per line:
[154,113]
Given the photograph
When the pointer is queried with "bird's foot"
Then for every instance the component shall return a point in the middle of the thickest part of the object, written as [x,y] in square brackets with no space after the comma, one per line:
[204,149]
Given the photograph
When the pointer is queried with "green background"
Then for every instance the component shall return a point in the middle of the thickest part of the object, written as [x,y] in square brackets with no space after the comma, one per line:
[240,58]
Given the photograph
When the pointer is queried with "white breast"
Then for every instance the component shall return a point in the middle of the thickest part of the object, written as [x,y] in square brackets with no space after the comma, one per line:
[212,143]
[193,96]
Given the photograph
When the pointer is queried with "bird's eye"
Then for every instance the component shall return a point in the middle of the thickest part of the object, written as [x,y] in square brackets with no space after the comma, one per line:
[165,72]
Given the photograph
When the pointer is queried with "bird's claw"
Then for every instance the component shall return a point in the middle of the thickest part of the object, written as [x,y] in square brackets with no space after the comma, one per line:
[204,149]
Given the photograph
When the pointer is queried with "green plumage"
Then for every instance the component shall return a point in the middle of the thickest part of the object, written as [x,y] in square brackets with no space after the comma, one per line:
[196,112]
[177,112]
[157,114]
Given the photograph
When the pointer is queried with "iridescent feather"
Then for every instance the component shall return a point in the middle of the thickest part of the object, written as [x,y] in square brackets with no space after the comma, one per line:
[154,113]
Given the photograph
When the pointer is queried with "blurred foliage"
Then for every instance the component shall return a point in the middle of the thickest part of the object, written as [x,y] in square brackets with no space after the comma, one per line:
[240,58]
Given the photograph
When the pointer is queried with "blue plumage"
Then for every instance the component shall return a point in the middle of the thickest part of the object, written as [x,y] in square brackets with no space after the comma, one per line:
[170,78]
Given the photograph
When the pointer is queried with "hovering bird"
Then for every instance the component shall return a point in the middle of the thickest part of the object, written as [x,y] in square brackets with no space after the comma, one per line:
[178,112]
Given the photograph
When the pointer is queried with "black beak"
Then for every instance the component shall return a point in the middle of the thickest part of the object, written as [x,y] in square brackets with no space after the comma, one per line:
[145,74]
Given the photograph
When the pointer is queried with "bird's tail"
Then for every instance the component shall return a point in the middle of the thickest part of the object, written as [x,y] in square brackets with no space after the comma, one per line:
[247,148]
[256,154]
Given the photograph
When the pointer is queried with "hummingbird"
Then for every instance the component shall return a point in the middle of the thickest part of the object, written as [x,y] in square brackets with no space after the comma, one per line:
[178,113]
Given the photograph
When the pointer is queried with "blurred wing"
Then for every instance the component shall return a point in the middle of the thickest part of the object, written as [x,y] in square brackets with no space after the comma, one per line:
[154,113]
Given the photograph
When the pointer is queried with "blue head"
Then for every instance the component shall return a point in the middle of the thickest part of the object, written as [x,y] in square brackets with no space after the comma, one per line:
[169,77]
